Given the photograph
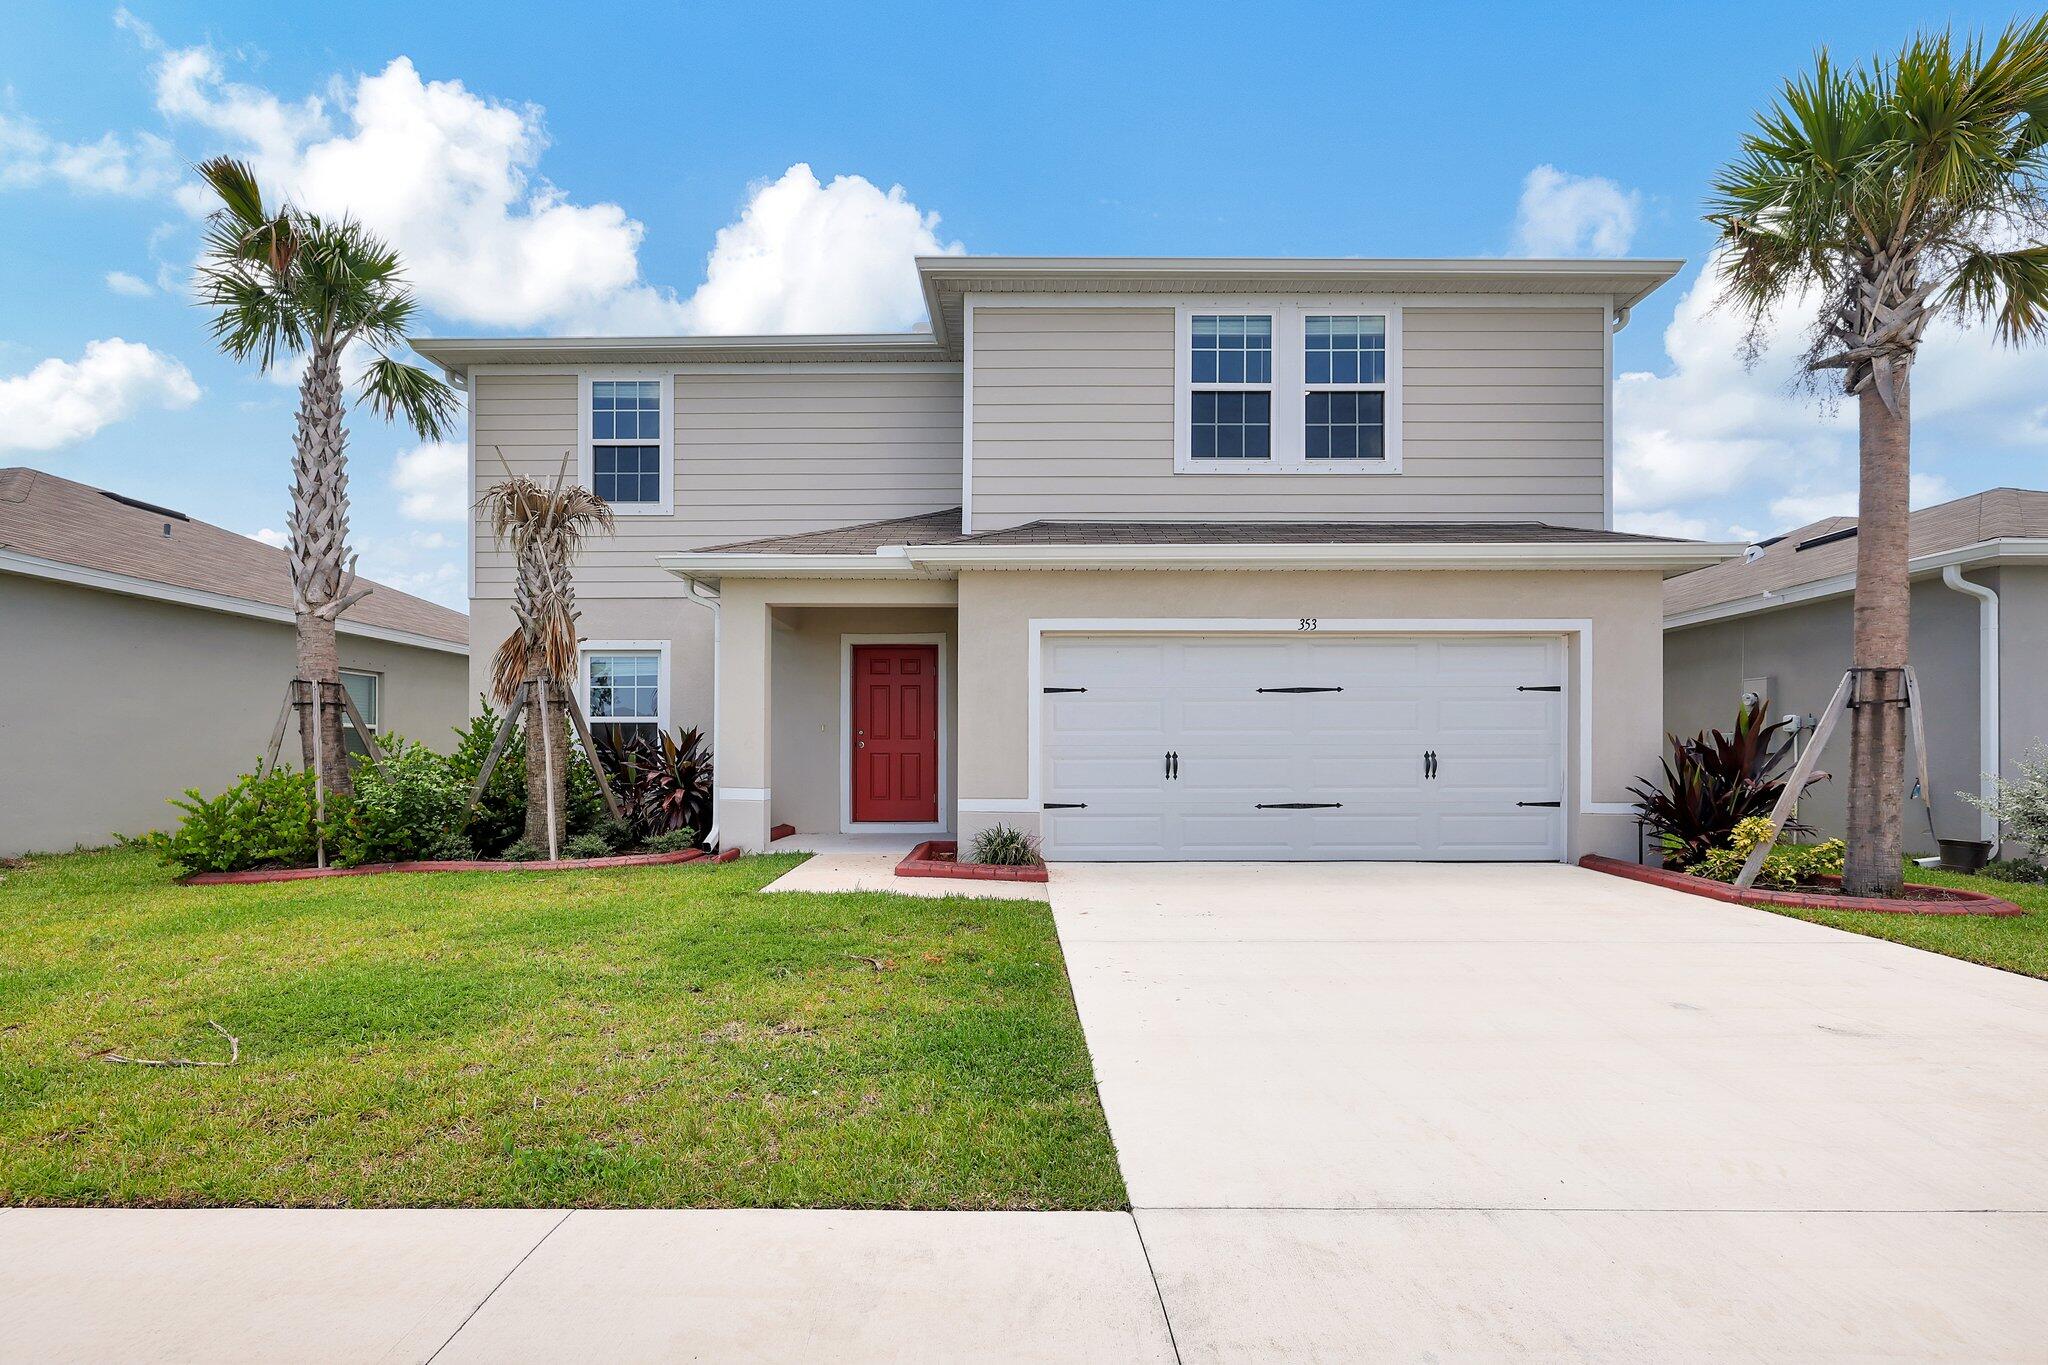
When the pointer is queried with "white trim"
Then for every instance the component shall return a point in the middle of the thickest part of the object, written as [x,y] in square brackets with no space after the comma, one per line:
[743,793]
[1289,387]
[1578,629]
[847,824]
[1674,556]
[1990,758]
[623,370]
[665,444]
[33,566]
[2008,550]
[469,507]
[967,419]
[662,701]
[997,806]
[376,677]
[1165,301]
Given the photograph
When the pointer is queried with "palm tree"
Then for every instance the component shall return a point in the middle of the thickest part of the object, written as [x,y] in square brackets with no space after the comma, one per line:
[286,282]
[546,527]
[1892,196]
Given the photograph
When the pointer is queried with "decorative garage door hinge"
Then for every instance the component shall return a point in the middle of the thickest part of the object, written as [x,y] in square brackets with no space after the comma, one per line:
[1066,689]
[1536,803]
[1297,805]
[1547,687]
[1066,805]
[1301,689]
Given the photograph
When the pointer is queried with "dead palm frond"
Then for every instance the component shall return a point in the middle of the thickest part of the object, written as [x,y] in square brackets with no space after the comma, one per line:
[545,526]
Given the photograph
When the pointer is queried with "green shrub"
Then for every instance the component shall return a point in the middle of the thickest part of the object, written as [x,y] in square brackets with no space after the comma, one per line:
[258,822]
[1004,847]
[524,851]
[1786,866]
[408,807]
[671,841]
[2014,870]
[500,815]
[2021,803]
[586,846]
[617,837]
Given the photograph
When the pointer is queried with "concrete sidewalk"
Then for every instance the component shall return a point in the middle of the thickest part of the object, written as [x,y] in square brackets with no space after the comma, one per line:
[541,1285]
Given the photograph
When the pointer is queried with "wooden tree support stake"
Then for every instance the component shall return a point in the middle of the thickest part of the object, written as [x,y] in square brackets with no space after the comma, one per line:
[512,713]
[604,784]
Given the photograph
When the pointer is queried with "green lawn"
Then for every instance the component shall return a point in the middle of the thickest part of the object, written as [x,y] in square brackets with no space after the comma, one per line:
[2018,944]
[656,1037]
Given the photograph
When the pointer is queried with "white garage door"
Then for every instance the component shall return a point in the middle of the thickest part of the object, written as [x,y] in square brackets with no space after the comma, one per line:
[1303,747]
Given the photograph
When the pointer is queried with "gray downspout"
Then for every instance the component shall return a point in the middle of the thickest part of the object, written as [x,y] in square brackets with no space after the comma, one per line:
[1987,695]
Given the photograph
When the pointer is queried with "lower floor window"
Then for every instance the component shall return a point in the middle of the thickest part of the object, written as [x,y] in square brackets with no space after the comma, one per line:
[625,693]
[366,691]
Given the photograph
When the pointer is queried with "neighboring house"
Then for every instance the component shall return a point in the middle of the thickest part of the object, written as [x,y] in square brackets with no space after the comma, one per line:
[1777,624]
[1153,559]
[143,652]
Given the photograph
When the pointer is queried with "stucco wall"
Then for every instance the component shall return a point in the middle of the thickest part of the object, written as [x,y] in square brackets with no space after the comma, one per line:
[996,610]
[1804,650]
[115,703]
[2023,659]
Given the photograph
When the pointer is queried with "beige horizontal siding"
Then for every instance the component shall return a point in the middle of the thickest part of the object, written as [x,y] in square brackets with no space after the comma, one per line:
[1503,418]
[765,454]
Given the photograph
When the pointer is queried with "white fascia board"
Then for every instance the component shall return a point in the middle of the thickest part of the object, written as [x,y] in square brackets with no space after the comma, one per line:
[2009,550]
[709,568]
[1668,559]
[34,567]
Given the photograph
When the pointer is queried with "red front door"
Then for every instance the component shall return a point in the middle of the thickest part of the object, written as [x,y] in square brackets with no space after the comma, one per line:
[896,733]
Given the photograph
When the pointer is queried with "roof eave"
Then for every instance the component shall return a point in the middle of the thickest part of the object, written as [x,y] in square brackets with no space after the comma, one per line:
[1668,558]
[2003,550]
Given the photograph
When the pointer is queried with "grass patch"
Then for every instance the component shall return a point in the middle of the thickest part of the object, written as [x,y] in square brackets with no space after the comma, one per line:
[2018,944]
[650,1037]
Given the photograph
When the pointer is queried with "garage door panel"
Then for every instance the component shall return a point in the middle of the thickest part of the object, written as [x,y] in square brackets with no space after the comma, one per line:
[1341,773]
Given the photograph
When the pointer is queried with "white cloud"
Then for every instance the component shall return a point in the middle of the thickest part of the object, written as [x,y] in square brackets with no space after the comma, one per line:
[279,539]
[1561,214]
[61,402]
[806,257]
[140,165]
[424,563]
[133,286]
[433,481]
[1709,439]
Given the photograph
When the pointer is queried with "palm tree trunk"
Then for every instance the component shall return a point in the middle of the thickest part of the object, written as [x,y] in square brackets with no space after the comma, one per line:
[319,547]
[547,764]
[1877,728]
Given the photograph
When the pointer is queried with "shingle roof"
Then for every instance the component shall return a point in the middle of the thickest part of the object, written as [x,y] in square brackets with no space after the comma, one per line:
[943,528]
[1991,515]
[73,523]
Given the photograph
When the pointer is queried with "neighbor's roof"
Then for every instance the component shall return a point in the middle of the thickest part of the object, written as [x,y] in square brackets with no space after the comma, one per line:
[1822,555]
[943,528]
[947,280]
[123,545]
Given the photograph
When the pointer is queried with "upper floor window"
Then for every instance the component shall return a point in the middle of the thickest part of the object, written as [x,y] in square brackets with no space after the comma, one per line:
[626,445]
[1288,386]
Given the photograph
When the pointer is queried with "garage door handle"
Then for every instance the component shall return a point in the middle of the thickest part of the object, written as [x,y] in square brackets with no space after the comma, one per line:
[1536,803]
[1297,805]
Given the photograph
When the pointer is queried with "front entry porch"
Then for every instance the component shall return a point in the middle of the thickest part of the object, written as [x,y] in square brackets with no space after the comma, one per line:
[836,709]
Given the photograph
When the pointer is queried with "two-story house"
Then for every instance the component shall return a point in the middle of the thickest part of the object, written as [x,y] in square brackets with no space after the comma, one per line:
[1249,559]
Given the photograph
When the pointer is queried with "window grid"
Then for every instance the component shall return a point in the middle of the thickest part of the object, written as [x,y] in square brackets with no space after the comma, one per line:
[1346,425]
[1233,349]
[625,432]
[1232,426]
[1231,423]
[1345,350]
[625,687]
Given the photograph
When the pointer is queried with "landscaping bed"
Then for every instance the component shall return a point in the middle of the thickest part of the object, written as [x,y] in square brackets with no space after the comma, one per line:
[941,858]
[1915,900]
[296,874]
[637,1037]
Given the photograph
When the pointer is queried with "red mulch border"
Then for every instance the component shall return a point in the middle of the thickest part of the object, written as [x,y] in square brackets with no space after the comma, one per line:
[300,874]
[780,832]
[1956,900]
[923,861]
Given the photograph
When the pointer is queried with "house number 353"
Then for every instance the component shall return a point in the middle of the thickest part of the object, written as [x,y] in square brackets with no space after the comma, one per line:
[1307,623]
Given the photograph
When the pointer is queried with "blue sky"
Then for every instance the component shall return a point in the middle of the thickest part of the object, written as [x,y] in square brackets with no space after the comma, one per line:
[548,173]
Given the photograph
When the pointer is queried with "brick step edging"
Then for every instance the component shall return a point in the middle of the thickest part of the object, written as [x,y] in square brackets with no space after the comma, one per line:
[919,862]
[1965,902]
[301,874]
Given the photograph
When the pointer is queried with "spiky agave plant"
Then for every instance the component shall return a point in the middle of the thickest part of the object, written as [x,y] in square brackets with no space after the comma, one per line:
[545,526]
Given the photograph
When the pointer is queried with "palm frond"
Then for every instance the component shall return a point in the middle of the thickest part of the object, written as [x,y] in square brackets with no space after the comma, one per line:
[545,526]
[395,390]
[2008,289]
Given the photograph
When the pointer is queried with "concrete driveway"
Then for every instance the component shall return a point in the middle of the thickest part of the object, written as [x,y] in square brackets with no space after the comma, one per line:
[1472,1111]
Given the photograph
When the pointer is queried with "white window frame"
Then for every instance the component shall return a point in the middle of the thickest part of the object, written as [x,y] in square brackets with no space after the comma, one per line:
[376,722]
[662,702]
[1289,388]
[666,445]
